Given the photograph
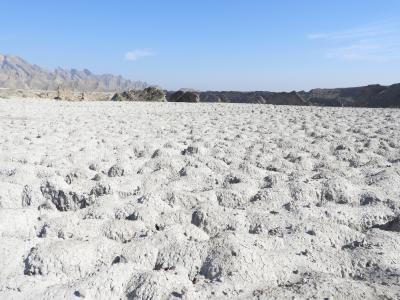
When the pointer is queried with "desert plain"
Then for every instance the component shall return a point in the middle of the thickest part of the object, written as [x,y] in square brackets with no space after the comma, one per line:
[119,200]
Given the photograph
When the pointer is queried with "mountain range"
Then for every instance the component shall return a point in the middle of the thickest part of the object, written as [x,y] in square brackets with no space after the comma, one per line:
[16,73]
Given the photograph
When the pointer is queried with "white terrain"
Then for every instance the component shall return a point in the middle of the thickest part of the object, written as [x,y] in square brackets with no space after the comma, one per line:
[122,200]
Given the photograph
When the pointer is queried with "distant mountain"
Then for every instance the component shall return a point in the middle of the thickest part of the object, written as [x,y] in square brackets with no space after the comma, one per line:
[16,73]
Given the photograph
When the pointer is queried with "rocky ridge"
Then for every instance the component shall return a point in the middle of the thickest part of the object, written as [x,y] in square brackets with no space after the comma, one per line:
[16,73]
[148,94]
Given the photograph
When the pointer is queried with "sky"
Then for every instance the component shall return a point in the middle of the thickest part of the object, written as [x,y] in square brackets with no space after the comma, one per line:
[239,45]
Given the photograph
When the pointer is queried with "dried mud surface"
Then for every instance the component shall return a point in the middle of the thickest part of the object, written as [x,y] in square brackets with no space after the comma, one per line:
[103,200]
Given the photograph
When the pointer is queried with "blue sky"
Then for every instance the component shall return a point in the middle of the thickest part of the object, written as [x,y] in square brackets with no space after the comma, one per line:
[212,44]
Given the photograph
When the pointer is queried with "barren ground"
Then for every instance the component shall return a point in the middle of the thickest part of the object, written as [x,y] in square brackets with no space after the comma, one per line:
[108,200]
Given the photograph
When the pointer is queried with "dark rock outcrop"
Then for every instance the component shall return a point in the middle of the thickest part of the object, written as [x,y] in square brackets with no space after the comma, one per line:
[365,96]
[389,97]
[152,94]
[291,98]
[259,97]
[181,96]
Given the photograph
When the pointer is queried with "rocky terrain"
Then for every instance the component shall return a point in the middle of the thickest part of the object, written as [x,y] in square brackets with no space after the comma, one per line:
[61,94]
[366,96]
[16,73]
[184,96]
[257,97]
[23,79]
[122,200]
[152,94]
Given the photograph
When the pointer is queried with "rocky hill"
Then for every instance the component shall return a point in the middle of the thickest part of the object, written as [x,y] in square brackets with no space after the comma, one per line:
[149,94]
[260,97]
[365,96]
[16,73]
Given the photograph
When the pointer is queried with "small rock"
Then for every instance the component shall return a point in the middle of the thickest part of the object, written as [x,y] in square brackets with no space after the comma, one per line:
[81,294]
[156,153]
[101,189]
[182,172]
[119,259]
[93,167]
[115,171]
[190,150]
[96,177]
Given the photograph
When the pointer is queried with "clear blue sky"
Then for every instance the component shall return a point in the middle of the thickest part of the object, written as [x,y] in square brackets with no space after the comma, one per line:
[212,44]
